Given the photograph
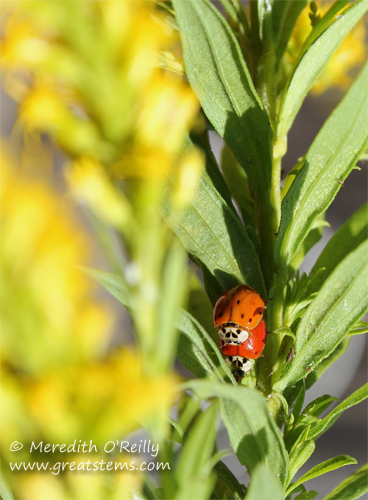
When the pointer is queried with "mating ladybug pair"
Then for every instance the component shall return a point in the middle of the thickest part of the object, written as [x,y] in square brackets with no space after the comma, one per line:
[238,319]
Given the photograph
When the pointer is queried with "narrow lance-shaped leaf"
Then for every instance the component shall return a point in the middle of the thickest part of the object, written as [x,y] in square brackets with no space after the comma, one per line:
[329,160]
[341,301]
[300,455]
[226,477]
[264,485]
[284,16]
[212,232]
[253,433]
[344,241]
[195,464]
[323,468]
[352,487]
[217,72]
[357,397]
[312,64]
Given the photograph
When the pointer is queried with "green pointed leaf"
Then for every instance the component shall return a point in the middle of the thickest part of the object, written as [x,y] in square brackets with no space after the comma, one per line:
[253,433]
[284,16]
[359,328]
[352,487]
[195,464]
[300,455]
[306,495]
[344,241]
[237,180]
[298,405]
[313,62]
[323,468]
[217,72]
[341,302]
[227,478]
[329,160]
[211,231]
[312,238]
[196,350]
[355,398]
[264,485]
[319,405]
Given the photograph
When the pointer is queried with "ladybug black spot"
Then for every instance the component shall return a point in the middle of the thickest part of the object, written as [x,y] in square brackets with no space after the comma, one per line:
[250,320]
[263,340]
[242,315]
[238,301]
[255,352]
[220,314]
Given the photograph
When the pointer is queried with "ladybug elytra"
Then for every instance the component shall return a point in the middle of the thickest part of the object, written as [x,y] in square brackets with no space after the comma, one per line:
[238,319]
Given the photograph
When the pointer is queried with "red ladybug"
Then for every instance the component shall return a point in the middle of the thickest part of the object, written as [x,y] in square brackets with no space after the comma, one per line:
[252,348]
[238,318]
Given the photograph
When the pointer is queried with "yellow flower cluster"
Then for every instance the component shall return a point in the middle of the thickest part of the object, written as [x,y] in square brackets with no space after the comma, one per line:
[94,84]
[57,383]
[351,54]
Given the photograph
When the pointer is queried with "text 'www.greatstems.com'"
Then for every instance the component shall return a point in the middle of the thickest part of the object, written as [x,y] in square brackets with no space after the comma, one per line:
[101,465]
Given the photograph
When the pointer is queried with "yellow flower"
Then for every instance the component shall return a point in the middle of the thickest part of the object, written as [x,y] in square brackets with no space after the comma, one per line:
[94,84]
[351,53]
[57,383]
[44,294]
[90,184]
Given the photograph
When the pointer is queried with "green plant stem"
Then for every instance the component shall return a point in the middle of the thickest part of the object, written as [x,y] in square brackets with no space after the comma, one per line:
[273,342]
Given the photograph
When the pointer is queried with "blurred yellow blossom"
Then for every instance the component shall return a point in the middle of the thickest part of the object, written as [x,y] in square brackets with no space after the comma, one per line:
[93,83]
[57,383]
[41,245]
[351,54]
[79,485]
[90,184]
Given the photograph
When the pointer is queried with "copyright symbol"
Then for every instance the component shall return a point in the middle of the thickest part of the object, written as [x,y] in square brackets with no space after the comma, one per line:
[16,446]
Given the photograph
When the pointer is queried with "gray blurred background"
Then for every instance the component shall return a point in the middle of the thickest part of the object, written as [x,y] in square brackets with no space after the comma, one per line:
[349,433]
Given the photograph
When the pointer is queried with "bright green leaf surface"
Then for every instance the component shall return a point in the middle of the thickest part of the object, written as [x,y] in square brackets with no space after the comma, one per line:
[195,464]
[300,455]
[236,179]
[212,232]
[352,487]
[253,433]
[323,468]
[284,16]
[319,405]
[329,160]
[344,241]
[264,485]
[341,302]
[355,398]
[314,61]
[306,495]
[217,72]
